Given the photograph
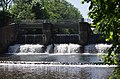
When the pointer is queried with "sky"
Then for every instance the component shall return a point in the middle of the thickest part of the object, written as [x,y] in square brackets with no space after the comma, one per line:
[83,8]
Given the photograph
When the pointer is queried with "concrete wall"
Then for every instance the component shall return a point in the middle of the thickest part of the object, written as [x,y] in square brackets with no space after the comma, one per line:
[85,33]
[7,37]
[47,31]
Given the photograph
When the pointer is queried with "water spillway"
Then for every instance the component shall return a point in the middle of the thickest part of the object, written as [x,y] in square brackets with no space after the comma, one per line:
[97,48]
[58,48]
[37,48]
[63,53]
[27,71]
[67,48]
[29,61]
[27,48]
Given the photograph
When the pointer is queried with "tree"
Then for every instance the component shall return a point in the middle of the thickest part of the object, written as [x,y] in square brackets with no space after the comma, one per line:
[61,9]
[106,17]
[44,9]
[22,10]
[39,10]
[5,4]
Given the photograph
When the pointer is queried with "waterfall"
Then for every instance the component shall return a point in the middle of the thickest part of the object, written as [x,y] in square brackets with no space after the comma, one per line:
[36,48]
[31,48]
[97,48]
[66,48]
[34,71]
[74,48]
[58,48]
[61,48]
[65,65]
[27,48]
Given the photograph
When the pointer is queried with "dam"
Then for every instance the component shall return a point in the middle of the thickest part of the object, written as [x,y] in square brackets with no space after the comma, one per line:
[54,50]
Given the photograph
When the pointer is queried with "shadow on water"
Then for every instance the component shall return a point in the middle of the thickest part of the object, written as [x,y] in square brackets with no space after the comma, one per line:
[6,55]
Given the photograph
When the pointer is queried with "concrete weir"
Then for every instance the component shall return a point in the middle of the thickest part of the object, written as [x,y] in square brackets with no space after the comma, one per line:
[52,50]
[45,32]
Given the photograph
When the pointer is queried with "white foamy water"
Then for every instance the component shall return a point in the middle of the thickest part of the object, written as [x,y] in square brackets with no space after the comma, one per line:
[32,71]
[66,48]
[27,48]
[36,48]
[31,48]
[97,48]
[55,66]
[74,48]
[58,48]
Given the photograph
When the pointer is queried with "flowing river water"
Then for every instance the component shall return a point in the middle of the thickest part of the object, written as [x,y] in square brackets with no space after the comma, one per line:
[65,62]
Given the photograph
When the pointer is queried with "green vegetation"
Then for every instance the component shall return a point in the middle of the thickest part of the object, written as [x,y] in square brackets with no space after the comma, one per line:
[106,17]
[37,9]
[44,9]
[21,9]
[61,9]
[116,74]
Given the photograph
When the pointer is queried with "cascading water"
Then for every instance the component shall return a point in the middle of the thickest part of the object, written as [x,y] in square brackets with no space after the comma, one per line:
[31,48]
[58,61]
[58,48]
[27,48]
[97,48]
[74,48]
[42,71]
[67,48]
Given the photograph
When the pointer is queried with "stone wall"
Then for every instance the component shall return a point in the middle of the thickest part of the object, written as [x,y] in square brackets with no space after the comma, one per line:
[7,37]
[47,31]
[85,33]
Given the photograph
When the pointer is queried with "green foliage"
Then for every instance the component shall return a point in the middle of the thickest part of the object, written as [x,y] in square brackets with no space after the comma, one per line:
[39,10]
[106,17]
[58,9]
[22,10]
[112,59]
[116,74]
[44,9]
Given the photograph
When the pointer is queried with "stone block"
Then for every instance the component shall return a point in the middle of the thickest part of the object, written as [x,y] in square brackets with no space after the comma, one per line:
[85,32]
